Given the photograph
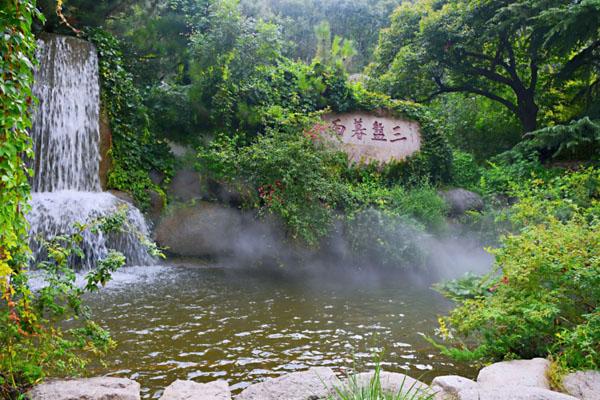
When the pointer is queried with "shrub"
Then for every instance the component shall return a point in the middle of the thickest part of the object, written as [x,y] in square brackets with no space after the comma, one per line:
[543,296]
[284,173]
[33,336]
[135,151]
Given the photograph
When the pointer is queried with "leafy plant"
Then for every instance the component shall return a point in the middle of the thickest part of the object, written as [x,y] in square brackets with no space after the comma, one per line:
[286,174]
[33,328]
[470,286]
[135,152]
[546,299]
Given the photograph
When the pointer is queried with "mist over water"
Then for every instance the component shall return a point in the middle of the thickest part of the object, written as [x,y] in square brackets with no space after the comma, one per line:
[354,249]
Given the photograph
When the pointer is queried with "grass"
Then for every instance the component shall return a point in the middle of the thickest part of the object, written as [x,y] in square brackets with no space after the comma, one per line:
[355,390]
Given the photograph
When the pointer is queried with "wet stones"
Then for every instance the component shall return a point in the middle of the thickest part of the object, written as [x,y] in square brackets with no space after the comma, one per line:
[391,382]
[515,380]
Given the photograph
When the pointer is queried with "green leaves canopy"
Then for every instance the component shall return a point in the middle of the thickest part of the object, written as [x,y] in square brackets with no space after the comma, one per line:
[507,51]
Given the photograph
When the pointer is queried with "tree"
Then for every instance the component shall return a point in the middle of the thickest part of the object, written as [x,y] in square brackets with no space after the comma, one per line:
[338,53]
[507,51]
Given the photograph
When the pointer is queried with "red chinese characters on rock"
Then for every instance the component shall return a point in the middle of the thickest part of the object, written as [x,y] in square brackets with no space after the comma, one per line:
[337,127]
[378,132]
[359,131]
[398,134]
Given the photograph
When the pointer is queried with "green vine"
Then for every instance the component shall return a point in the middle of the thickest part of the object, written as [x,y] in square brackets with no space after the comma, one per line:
[135,152]
[16,72]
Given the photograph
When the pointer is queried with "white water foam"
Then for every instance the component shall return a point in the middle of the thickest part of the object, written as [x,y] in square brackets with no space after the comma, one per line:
[56,213]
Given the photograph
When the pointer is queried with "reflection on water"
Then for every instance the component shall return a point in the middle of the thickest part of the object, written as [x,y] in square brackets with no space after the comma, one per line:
[206,324]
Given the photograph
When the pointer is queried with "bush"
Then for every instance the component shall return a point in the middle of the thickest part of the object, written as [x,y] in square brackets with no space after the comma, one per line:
[543,297]
[465,171]
[284,173]
[135,151]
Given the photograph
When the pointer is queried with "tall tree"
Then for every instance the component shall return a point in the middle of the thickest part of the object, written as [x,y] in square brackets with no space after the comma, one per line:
[504,50]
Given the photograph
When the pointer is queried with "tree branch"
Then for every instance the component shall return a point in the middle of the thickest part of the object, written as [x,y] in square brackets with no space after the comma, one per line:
[584,57]
[470,89]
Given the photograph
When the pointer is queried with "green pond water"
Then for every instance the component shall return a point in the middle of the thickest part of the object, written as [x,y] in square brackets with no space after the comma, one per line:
[188,322]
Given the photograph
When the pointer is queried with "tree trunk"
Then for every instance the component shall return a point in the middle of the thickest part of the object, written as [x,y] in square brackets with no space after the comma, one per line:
[527,112]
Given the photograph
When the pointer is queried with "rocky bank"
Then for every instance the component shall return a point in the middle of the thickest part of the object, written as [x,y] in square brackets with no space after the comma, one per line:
[509,380]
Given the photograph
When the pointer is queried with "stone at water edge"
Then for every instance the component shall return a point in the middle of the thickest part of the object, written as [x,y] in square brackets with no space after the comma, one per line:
[460,201]
[508,392]
[314,384]
[188,390]
[447,387]
[101,388]
[585,385]
[391,382]
[530,373]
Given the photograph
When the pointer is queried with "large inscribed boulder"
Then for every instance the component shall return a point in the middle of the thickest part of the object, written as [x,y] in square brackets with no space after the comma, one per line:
[367,137]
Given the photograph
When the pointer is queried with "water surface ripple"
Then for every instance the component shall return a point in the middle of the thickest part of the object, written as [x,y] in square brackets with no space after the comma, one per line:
[205,324]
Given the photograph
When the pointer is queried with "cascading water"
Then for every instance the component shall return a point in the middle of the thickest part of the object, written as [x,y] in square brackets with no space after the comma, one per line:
[66,135]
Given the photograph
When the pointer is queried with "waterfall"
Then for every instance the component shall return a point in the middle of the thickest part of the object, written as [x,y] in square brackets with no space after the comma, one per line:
[66,126]
[66,142]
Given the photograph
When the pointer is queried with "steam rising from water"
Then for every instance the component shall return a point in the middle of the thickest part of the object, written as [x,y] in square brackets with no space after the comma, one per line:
[352,249]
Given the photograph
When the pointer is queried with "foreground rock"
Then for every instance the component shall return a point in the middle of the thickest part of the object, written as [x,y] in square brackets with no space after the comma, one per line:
[391,382]
[460,201]
[102,388]
[314,384]
[449,387]
[508,393]
[584,385]
[531,373]
[515,380]
[188,390]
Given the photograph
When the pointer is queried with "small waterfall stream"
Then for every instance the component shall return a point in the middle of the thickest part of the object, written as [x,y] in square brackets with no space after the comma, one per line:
[66,140]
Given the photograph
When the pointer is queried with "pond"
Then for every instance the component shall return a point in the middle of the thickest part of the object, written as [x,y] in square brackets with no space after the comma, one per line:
[184,321]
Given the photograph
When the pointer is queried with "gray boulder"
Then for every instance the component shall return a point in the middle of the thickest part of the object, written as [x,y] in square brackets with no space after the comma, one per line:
[584,385]
[188,390]
[449,387]
[314,384]
[524,373]
[101,388]
[391,382]
[460,201]
[509,392]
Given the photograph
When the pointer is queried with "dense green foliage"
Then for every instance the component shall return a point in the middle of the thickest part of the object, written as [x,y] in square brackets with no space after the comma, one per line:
[135,152]
[556,247]
[16,75]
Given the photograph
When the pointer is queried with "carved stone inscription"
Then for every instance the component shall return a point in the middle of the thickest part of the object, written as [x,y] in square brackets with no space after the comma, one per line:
[367,137]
